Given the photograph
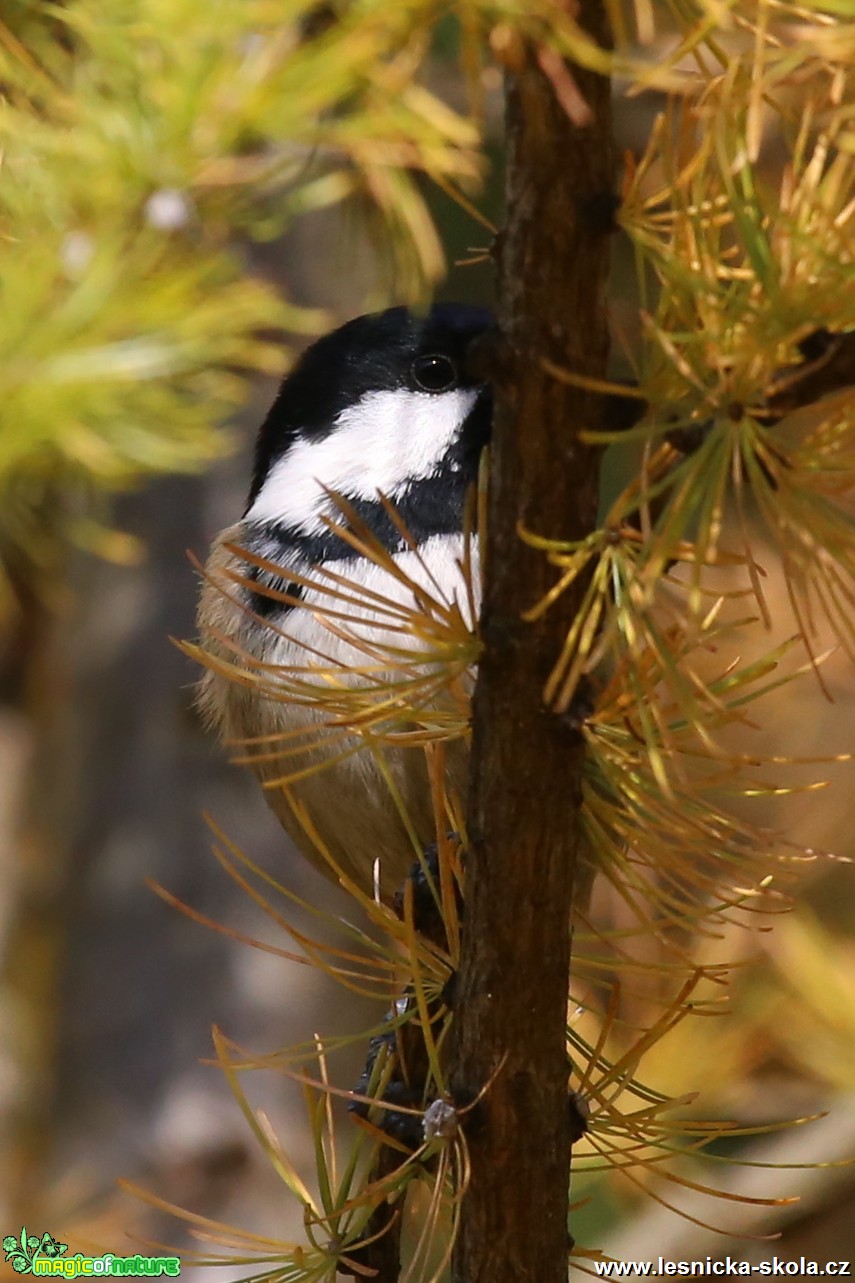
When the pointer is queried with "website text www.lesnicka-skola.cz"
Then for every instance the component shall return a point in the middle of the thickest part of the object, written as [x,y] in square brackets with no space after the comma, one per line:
[796,1267]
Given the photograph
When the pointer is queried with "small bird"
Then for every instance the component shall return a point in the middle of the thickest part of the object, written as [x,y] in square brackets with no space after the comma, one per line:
[377,431]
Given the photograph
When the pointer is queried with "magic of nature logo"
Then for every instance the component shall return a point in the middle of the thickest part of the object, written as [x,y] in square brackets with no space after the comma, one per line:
[30,1254]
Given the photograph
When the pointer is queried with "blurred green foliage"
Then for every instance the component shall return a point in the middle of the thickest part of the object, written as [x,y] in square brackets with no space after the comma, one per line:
[141,139]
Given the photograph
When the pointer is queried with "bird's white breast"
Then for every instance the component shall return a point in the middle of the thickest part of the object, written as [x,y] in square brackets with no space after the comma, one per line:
[326,638]
[362,600]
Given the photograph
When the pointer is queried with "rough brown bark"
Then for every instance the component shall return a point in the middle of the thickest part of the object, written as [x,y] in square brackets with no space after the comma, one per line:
[511,1001]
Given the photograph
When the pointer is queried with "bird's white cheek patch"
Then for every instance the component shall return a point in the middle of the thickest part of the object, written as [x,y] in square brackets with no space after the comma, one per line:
[382,443]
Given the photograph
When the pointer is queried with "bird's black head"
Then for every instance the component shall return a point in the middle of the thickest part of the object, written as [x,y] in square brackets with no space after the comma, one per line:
[385,403]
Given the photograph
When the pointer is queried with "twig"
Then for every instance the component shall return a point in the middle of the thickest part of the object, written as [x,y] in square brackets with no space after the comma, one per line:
[511,994]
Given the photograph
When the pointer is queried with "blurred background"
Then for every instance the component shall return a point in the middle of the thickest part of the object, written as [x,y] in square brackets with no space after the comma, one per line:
[187,196]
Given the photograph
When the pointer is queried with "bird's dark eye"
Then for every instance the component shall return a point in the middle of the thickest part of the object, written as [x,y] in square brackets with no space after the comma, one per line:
[434,372]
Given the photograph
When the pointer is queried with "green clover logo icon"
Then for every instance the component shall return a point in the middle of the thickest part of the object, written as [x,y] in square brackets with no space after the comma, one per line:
[21,1252]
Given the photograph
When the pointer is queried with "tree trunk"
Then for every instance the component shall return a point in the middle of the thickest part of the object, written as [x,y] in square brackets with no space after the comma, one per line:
[511,1004]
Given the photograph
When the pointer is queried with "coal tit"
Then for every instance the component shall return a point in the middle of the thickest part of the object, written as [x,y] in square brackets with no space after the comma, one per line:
[383,407]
